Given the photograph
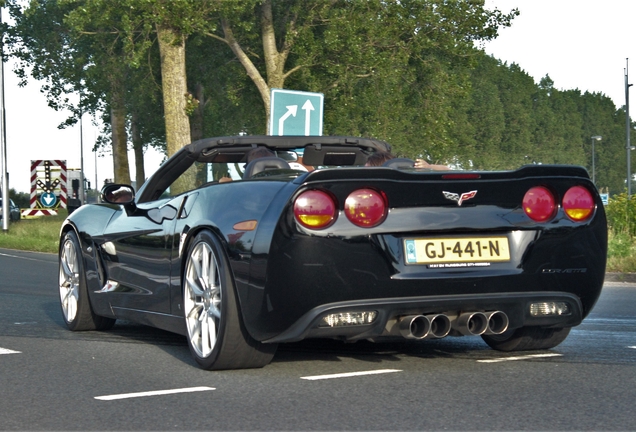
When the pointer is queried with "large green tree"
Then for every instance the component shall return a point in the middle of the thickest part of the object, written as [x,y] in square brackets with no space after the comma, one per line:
[86,61]
[386,68]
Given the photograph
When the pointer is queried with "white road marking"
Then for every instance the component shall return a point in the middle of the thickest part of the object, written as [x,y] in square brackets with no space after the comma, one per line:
[154,393]
[350,374]
[21,257]
[8,351]
[526,357]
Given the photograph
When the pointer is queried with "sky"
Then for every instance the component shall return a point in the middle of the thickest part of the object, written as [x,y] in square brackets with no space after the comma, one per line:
[33,134]
[580,44]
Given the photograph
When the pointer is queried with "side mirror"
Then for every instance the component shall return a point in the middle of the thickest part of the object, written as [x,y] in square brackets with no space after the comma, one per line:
[114,193]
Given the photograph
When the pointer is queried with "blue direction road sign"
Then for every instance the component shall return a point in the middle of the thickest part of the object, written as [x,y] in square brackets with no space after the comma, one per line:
[48,199]
[295,113]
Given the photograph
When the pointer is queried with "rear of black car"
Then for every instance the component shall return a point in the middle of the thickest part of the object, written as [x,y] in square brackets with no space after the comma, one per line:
[378,252]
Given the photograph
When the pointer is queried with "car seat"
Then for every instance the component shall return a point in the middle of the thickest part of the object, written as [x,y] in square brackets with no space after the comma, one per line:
[264,164]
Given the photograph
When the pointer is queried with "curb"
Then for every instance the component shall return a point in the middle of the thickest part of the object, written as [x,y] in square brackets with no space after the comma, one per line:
[620,277]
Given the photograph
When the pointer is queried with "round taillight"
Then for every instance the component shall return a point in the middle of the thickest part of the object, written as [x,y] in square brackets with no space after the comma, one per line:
[315,209]
[366,207]
[539,204]
[578,203]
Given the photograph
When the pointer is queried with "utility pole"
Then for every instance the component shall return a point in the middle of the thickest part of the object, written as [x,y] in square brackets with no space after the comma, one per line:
[82,189]
[3,137]
[594,138]
[628,122]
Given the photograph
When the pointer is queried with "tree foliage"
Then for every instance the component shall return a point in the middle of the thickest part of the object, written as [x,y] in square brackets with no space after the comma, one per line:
[164,72]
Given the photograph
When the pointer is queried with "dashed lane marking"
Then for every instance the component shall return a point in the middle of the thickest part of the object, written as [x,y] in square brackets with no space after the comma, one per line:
[8,351]
[526,357]
[22,257]
[350,374]
[154,393]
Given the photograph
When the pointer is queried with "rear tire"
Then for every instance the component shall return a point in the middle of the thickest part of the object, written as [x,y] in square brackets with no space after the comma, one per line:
[216,335]
[76,308]
[527,338]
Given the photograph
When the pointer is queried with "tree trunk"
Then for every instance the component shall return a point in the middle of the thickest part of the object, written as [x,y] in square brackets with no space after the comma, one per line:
[120,138]
[274,60]
[138,146]
[174,86]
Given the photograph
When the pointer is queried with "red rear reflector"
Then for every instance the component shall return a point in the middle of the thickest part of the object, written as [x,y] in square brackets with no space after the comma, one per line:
[315,209]
[539,204]
[461,176]
[578,203]
[366,208]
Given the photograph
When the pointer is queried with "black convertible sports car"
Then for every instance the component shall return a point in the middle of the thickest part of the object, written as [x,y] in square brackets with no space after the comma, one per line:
[312,244]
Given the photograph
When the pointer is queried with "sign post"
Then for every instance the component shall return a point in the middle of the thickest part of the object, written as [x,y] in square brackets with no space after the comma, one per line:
[295,113]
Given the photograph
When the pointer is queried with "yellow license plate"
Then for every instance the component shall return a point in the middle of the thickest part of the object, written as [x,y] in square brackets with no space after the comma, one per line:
[456,250]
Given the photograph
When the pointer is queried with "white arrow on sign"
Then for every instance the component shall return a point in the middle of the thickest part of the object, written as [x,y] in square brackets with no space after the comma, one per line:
[48,199]
[308,107]
[291,111]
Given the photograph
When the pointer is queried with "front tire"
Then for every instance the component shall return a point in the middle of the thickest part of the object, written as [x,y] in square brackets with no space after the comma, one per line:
[216,335]
[527,338]
[76,307]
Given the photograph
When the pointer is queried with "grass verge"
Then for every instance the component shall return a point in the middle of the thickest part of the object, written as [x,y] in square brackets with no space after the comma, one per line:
[39,234]
[621,253]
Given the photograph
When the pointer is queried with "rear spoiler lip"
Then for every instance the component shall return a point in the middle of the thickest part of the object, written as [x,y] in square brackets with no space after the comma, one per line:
[384,173]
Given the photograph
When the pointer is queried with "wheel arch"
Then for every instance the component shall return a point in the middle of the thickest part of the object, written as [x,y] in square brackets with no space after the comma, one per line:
[94,270]
[66,227]
[187,242]
[96,315]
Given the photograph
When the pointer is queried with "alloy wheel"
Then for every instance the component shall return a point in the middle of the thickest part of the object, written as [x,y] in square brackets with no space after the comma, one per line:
[202,299]
[69,280]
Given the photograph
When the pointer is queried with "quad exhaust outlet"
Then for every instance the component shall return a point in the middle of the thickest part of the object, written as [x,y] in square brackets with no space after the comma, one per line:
[440,325]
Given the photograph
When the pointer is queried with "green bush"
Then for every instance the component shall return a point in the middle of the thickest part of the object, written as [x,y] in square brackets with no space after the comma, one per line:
[21,199]
[621,224]
[621,213]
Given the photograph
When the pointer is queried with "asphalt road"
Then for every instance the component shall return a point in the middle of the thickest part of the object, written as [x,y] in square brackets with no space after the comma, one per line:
[53,379]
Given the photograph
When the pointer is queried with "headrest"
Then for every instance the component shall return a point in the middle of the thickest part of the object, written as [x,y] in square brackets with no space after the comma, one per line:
[264,164]
[399,163]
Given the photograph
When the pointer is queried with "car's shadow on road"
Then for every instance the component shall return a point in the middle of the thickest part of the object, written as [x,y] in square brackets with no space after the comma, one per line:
[307,350]
[375,352]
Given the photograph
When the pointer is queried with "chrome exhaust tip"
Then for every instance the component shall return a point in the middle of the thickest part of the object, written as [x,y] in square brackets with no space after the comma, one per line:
[414,326]
[497,323]
[471,323]
[440,325]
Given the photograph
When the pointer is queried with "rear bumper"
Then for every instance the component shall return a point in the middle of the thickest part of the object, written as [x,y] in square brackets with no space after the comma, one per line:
[515,305]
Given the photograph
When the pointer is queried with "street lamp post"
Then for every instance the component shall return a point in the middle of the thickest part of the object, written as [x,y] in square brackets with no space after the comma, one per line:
[628,145]
[594,138]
